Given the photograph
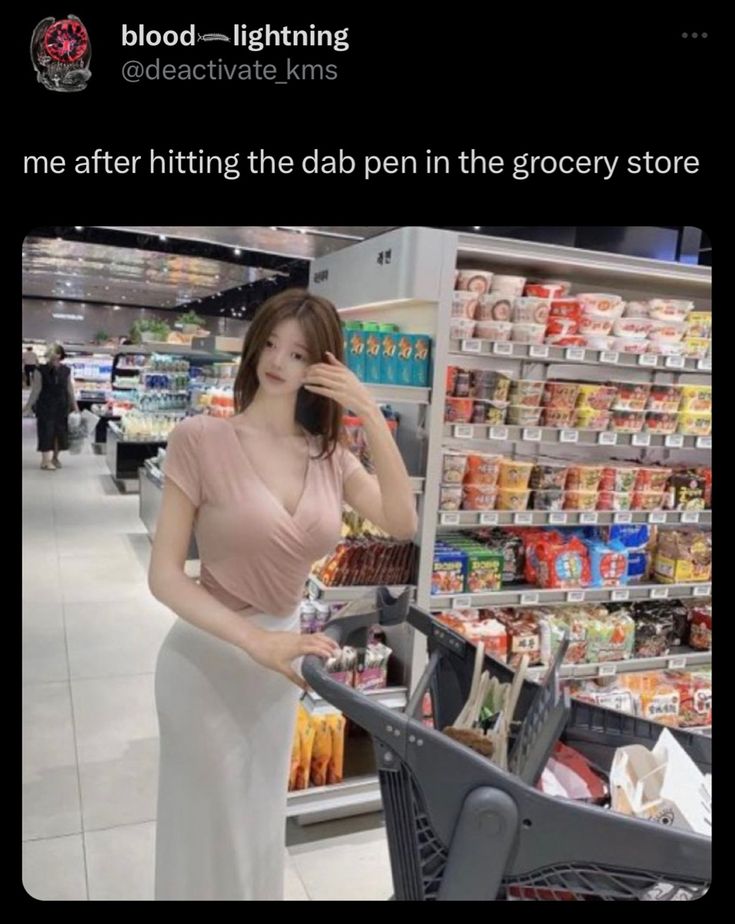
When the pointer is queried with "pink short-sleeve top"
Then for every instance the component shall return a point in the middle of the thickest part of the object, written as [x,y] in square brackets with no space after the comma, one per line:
[254,554]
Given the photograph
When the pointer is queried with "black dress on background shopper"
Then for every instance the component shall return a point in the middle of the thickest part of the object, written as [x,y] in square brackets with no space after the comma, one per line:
[52,399]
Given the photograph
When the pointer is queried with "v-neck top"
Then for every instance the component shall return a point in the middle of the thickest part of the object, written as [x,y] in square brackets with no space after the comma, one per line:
[254,554]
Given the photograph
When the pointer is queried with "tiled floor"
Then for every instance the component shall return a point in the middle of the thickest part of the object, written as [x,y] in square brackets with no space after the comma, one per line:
[91,632]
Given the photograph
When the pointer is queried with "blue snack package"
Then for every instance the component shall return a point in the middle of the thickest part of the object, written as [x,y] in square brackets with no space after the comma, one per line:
[608,563]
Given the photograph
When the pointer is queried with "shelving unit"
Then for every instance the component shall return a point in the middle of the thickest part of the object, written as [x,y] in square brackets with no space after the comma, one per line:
[604,438]
[676,660]
[472,519]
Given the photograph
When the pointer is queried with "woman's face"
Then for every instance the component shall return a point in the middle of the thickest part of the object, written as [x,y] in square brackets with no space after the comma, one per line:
[51,355]
[284,359]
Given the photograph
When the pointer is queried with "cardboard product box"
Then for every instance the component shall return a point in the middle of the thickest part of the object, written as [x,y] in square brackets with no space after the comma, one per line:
[421,360]
[355,352]
[388,357]
[372,357]
[449,572]
[404,359]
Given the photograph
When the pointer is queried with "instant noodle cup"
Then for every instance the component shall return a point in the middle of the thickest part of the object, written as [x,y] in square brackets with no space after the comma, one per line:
[561,327]
[696,398]
[600,343]
[458,410]
[514,474]
[665,309]
[568,340]
[496,413]
[564,286]
[450,496]
[561,394]
[651,478]
[543,290]
[528,333]
[509,285]
[601,304]
[664,398]
[521,415]
[618,478]
[548,475]
[627,421]
[559,417]
[491,384]
[482,468]
[512,499]
[464,305]
[478,497]
[580,500]
[632,328]
[454,466]
[531,310]
[663,348]
[495,306]
[695,423]
[636,310]
[583,477]
[596,396]
[632,396]
[588,418]
[527,392]
[451,379]
[461,328]
[551,499]
[627,345]
[666,331]
[663,422]
[699,324]
[648,500]
[614,500]
[696,347]
[493,330]
[473,281]
[595,326]
[566,308]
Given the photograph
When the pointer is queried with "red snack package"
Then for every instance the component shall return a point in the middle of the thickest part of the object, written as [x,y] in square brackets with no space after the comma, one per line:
[562,564]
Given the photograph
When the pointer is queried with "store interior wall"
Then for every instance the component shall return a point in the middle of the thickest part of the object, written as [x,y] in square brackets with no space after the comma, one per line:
[39,322]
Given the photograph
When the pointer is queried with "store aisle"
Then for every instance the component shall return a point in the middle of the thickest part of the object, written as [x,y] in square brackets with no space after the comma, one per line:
[91,633]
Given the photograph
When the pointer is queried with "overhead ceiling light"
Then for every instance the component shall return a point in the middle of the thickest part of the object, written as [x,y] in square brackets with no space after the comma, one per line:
[115,307]
[237,252]
[162,237]
[67,283]
[78,228]
[476,227]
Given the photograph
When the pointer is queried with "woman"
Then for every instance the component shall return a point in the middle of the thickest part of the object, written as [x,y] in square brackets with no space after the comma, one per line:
[52,398]
[265,490]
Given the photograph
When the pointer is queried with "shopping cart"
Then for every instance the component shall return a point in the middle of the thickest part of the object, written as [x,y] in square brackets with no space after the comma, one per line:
[460,828]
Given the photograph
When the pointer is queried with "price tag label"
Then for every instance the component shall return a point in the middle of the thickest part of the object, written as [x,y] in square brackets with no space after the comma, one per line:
[523,519]
[704,442]
[450,519]
[618,595]
[461,603]
[623,517]
[607,670]
[657,516]
[703,590]
[489,519]
[705,364]
[648,359]
[674,440]
[607,438]
[557,519]
[659,593]
[588,518]
[609,357]
[529,598]
[498,433]
[690,516]
[569,436]
[532,434]
[539,352]
[576,353]
[575,596]
[641,439]
[471,346]
[464,432]
[675,362]
[503,348]
[677,664]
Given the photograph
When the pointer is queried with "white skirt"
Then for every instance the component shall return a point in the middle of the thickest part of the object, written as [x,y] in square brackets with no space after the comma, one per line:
[226,731]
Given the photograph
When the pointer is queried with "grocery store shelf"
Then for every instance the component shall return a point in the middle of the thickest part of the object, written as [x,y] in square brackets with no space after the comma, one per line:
[399,394]
[525,595]
[513,434]
[551,354]
[390,697]
[352,797]
[676,660]
[320,591]
[468,519]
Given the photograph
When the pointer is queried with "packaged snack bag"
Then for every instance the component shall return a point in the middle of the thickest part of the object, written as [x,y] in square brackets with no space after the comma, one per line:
[302,719]
[321,751]
[610,636]
[562,565]
[307,744]
[335,767]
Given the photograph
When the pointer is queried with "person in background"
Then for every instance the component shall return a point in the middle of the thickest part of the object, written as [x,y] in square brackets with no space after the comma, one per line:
[52,399]
[30,364]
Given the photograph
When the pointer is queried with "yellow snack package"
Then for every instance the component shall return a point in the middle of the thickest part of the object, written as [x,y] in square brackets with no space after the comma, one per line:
[335,770]
[307,744]
[302,717]
[322,751]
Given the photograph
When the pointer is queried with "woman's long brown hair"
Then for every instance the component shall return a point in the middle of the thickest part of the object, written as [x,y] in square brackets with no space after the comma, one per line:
[323,332]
